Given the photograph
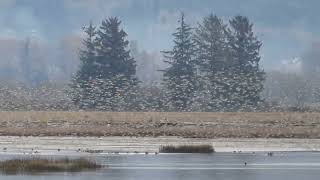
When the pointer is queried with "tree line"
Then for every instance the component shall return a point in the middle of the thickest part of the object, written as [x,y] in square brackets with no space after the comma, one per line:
[211,67]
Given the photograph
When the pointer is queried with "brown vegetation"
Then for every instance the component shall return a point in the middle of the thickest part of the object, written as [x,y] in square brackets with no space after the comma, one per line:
[21,166]
[187,149]
[197,125]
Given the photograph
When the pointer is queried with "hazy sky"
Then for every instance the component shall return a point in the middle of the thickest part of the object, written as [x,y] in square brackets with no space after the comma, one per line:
[287,27]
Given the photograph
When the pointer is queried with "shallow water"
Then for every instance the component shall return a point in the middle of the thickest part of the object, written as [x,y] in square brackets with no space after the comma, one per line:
[222,166]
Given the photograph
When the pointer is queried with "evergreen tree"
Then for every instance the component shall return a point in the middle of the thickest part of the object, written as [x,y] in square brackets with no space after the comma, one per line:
[106,78]
[116,66]
[180,76]
[245,48]
[212,57]
[113,55]
[82,81]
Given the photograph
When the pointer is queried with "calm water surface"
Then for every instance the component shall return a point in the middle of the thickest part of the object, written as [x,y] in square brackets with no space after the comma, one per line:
[218,166]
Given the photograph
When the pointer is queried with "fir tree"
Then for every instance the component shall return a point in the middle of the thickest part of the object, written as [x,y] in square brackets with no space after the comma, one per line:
[82,81]
[116,66]
[112,51]
[106,79]
[180,76]
[245,48]
[212,58]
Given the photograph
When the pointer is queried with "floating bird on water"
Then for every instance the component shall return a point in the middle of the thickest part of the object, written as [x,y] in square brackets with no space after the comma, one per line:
[270,153]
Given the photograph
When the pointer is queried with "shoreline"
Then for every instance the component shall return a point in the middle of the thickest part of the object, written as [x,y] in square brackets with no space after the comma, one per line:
[79,145]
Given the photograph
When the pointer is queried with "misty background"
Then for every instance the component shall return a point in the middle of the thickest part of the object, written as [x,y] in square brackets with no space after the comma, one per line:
[40,39]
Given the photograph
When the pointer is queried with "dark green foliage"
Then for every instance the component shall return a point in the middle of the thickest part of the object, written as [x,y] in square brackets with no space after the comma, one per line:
[113,58]
[214,68]
[214,62]
[151,98]
[187,149]
[81,83]
[180,77]
[228,59]
[245,48]
[106,79]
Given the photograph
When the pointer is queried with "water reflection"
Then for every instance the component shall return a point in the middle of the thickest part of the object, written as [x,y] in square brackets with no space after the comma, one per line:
[221,166]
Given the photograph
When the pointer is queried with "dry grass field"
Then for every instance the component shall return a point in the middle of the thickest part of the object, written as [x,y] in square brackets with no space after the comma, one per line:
[153,124]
